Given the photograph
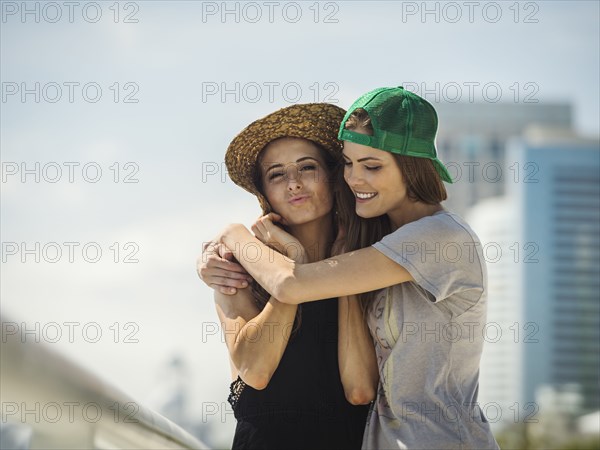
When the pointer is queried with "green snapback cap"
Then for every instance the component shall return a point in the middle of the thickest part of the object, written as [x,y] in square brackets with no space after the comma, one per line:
[403,123]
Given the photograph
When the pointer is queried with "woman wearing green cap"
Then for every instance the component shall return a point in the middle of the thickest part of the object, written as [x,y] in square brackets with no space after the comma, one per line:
[418,268]
[288,391]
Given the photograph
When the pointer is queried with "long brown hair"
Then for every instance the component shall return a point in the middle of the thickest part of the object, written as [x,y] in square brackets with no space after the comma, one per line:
[423,184]
[332,164]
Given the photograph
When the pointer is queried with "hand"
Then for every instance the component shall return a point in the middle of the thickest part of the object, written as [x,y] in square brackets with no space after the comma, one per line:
[216,267]
[274,236]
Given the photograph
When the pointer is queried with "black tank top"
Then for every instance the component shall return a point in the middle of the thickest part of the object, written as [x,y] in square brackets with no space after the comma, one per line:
[303,405]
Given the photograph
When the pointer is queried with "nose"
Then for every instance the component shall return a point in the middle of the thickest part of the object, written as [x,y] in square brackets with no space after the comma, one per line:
[352,176]
[293,178]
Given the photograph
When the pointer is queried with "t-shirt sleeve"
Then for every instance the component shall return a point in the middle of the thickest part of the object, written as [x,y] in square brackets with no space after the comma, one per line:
[441,254]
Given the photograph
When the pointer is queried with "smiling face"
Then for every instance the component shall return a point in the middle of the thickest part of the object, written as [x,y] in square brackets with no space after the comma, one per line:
[295,180]
[375,179]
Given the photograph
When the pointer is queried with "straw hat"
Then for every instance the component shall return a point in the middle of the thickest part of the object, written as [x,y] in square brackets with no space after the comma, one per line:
[317,122]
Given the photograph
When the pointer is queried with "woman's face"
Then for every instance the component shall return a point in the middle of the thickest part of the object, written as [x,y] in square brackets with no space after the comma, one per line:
[375,179]
[295,180]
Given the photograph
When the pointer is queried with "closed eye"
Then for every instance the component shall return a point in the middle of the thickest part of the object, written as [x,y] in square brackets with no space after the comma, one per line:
[373,168]
[274,175]
[308,167]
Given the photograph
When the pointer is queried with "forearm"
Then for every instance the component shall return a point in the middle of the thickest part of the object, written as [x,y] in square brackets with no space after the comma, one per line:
[269,268]
[356,353]
[358,271]
[257,345]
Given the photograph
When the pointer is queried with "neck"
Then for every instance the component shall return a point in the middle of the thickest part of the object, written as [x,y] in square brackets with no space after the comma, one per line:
[315,236]
[414,211]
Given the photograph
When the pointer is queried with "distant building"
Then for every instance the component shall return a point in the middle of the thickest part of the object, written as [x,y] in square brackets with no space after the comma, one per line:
[472,140]
[544,288]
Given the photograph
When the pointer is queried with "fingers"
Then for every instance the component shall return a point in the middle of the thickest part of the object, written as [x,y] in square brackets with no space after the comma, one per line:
[217,267]
[273,217]
[230,266]
[227,255]
[257,233]
[214,263]
[208,245]
[266,226]
[209,248]
[223,252]
[224,290]
[213,251]
[271,220]
[229,282]
[225,285]
[261,230]
[267,230]
[282,220]
[225,273]
[274,232]
[228,291]
[223,258]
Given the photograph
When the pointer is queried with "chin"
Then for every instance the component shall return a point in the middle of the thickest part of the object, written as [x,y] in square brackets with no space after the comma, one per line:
[296,219]
[365,214]
[300,219]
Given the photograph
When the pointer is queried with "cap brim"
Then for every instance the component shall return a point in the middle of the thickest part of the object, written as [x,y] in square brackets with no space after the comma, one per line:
[442,171]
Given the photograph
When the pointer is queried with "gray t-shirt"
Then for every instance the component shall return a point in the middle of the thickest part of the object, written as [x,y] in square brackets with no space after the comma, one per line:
[428,339]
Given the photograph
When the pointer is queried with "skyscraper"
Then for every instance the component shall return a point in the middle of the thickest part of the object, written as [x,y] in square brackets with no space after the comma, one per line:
[544,287]
[472,139]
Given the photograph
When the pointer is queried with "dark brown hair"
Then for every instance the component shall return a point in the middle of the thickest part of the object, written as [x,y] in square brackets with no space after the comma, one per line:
[423,184]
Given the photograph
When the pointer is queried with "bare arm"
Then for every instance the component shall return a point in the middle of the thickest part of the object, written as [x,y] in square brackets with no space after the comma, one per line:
[255,339]
[359,271]
[356,353]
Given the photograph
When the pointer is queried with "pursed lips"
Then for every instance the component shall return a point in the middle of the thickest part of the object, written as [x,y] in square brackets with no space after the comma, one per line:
[298,199]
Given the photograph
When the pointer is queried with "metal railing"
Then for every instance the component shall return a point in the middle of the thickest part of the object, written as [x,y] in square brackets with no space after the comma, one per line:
[50,402]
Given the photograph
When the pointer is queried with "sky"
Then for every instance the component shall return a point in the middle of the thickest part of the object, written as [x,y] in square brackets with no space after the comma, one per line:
[115,118]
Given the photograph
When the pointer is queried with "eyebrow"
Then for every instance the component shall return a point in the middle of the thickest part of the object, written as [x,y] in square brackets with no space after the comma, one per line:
[304,158]
[367,158]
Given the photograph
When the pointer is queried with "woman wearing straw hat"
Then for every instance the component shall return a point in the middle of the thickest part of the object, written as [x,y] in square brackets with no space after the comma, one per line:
[287,390]
[419,270]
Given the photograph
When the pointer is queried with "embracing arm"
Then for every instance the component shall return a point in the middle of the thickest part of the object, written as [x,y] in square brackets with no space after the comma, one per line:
[355,272]
[356,353]
[255,339]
